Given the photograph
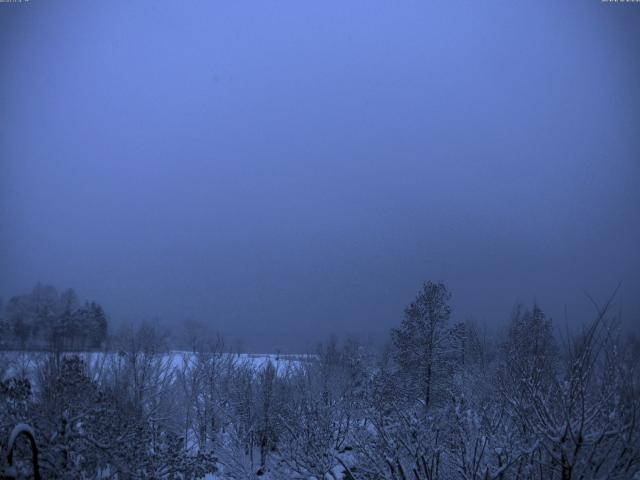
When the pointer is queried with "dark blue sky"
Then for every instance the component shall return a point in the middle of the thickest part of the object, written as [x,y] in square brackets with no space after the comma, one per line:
[285,169]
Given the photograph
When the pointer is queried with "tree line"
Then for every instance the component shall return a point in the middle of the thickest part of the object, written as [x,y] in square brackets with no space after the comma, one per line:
[442,401]
[46,319]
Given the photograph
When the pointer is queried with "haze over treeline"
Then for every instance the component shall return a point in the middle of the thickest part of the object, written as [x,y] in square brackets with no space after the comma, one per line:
[286,240]
[281,171]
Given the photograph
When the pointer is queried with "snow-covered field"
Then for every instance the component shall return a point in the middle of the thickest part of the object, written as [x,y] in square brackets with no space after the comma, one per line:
[23,364]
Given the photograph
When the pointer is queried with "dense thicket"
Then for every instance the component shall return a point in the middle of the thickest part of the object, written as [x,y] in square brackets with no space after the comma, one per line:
[443,401]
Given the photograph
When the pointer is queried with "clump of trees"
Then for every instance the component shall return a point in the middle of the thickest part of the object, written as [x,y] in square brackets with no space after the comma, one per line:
[46,319]
[442,401]
[102,416]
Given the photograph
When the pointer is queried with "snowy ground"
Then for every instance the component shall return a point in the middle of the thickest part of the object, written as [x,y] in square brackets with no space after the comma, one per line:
[18,363]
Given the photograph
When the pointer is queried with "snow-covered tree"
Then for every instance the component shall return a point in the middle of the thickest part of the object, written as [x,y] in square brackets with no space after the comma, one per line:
[422,340]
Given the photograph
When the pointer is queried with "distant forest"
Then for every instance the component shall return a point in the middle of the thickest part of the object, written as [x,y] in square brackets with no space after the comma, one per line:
[45,319]
[441,401]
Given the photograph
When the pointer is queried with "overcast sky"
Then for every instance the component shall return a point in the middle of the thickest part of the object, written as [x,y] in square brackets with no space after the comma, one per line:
[282,170]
